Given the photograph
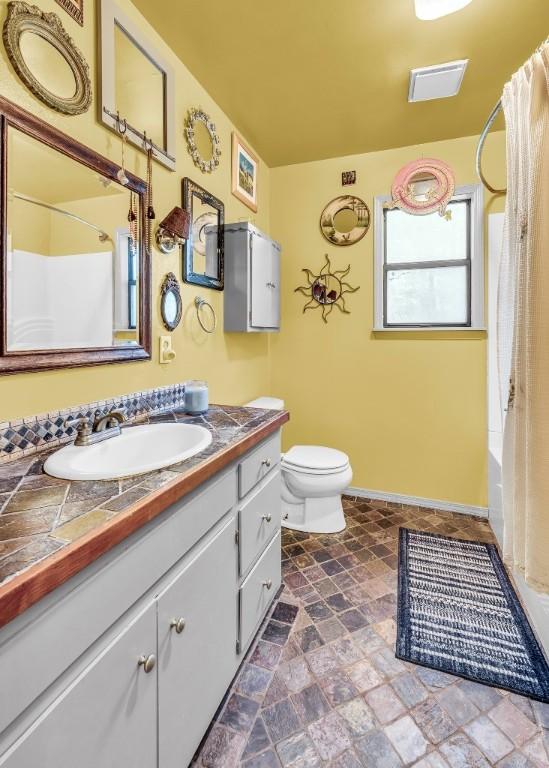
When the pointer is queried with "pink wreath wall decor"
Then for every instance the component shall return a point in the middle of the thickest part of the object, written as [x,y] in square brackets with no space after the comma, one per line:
[432,172]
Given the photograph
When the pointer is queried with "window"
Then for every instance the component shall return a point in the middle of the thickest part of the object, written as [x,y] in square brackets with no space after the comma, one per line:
[429,269]
[132,284]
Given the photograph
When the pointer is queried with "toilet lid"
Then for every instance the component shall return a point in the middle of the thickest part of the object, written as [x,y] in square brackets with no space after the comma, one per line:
[316,458]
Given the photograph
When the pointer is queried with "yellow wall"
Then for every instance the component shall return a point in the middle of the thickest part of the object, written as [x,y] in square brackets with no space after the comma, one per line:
[409,408]
[198,355]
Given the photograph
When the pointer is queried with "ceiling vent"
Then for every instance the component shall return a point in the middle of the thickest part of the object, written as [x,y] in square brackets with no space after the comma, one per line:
[438,82]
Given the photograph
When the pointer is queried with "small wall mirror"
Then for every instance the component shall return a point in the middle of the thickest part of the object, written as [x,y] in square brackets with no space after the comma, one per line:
[46,59]
[75,275]
[203,253]
[137,85]
[170,302]
[345,220]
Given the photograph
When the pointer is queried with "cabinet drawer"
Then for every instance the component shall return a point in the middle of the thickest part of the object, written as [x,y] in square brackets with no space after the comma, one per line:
[254,595]
[196,663]
[260,461]
[258,520]
[106,718]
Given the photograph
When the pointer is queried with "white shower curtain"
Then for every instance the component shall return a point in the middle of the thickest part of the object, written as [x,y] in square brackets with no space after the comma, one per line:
[523,322]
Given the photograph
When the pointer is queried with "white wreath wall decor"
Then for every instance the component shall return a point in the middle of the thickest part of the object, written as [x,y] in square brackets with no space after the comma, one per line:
[194,116]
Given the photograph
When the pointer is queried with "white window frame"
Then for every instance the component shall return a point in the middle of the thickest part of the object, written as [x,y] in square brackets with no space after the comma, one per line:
[472,192]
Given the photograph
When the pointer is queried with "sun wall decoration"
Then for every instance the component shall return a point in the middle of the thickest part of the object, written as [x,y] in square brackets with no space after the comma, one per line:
[326,290]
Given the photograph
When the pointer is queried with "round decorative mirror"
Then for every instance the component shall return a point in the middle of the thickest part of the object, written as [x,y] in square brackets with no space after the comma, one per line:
[423,186]
[202,140]
[208,219]
[46,59]
[345,220]
[170,302]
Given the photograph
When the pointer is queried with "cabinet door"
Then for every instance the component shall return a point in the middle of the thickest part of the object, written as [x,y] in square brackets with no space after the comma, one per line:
[264,282]
[106,718]
[275,286]
[196,663]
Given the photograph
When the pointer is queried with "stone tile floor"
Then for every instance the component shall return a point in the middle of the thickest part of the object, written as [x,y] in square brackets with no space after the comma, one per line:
[321,685]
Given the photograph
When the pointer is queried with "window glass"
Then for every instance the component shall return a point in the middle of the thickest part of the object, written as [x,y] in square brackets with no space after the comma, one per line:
[434,296]
[410,238]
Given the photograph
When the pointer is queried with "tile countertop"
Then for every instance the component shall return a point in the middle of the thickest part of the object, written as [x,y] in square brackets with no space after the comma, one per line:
[51,529]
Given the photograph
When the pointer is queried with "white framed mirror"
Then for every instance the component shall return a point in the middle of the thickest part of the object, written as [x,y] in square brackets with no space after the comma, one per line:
[137,85]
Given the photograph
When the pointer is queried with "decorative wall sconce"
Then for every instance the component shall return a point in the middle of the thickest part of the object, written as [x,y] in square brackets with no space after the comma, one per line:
[173,230]
[423,186]
[326,289]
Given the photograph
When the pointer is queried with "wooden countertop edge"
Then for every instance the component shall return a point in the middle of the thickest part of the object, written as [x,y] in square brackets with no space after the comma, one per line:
[32,585]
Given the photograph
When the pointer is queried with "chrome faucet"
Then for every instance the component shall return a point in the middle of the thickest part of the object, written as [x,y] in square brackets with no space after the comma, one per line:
[101,428]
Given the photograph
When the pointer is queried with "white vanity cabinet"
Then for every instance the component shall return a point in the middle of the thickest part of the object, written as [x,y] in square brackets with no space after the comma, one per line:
[106,716]
[126,663]
[252,280]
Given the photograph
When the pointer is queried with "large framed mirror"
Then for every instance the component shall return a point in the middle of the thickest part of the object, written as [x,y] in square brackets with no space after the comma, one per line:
[74,272]
[203,252]
[137,85]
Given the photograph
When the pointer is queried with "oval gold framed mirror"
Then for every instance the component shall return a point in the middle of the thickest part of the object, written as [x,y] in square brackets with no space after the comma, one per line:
[345,220]
[46,59]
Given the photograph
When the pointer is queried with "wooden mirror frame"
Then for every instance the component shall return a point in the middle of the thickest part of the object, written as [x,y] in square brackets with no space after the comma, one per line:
[190,189]
[46,359]
[111,16]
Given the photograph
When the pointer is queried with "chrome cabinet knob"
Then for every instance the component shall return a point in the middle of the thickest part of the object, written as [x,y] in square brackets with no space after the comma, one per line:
[266,462]
[267,518]
[147,662]
[178,625]
[268,583]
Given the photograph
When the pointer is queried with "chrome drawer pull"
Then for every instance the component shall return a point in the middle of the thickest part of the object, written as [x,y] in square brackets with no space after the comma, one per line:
[267,518]
[178,625]
[268,583]
[266,462]
[147,662]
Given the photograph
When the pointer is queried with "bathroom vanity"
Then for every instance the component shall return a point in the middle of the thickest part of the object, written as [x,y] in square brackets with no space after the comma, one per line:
[117,648]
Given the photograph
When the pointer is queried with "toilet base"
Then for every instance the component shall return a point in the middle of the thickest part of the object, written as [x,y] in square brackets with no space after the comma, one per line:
[315,515]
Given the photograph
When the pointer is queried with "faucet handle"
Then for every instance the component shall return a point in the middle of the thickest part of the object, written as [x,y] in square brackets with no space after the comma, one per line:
[83,428]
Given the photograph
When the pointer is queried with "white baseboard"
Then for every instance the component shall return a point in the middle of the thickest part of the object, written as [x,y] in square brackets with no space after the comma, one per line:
[418,501]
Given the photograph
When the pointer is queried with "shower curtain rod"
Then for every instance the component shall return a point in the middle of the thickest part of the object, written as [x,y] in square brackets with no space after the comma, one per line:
[493,114]
[103,236]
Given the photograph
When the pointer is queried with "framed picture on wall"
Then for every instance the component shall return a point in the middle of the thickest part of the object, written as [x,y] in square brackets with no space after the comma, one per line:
[74,8]
[244,173]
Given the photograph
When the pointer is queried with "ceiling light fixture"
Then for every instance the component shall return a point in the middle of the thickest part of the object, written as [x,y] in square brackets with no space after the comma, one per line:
[426,10]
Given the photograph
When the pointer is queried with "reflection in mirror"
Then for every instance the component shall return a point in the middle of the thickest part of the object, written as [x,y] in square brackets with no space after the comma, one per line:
[47,65]
[170,302]
[203,141]
[139,87]
[72,265]
[203,252]
[423,187]
[345,220]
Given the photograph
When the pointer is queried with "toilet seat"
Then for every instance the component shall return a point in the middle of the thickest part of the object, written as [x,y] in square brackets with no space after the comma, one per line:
[315,460]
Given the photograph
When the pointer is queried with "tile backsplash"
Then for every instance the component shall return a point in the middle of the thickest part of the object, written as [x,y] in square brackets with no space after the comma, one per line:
[21,437]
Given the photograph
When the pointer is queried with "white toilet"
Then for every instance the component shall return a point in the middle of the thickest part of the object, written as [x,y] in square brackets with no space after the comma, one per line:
[313,478]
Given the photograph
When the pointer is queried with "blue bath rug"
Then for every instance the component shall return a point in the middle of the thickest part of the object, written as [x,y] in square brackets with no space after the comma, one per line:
[459,613]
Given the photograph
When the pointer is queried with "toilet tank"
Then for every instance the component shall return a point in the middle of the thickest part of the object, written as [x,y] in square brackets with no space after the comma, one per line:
[273,403]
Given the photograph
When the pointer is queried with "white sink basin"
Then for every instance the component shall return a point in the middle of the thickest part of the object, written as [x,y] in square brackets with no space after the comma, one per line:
[134,451]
